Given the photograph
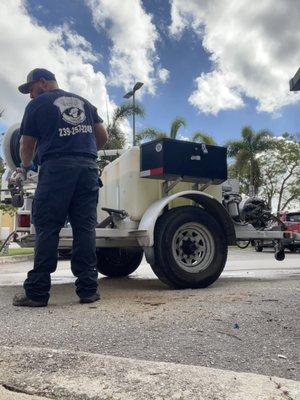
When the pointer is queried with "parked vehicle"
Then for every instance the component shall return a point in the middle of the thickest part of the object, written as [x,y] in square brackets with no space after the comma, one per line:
[163,200]
[291,221]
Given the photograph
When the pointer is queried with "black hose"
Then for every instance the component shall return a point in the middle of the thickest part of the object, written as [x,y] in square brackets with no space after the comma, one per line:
[6,240]
[15,148]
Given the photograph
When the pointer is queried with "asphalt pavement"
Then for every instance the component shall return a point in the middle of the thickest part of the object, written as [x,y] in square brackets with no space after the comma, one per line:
[248,321]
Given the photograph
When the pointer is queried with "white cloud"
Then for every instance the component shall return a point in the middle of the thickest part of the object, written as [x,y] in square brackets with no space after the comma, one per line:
[25,45]
[185,138]
[133,35]
[215,92]
[163,75]
[253,46]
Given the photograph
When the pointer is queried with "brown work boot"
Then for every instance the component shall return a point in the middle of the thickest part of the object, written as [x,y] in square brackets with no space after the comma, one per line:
[94,297]
[21,300]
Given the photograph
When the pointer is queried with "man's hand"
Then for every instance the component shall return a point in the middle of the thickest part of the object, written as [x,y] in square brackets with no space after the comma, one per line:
[31,167]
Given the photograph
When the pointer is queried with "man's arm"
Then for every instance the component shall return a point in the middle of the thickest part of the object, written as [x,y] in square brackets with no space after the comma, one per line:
[100,135]
[27,146]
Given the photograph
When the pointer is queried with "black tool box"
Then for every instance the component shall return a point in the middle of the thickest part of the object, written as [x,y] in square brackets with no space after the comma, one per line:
[170,159]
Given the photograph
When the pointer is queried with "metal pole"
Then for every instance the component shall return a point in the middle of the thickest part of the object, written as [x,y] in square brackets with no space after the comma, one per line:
[133,118]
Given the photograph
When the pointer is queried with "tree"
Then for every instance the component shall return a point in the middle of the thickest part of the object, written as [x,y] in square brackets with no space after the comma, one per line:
[152,133]
[203,138]
[280,174]
[116,135]
[246,152]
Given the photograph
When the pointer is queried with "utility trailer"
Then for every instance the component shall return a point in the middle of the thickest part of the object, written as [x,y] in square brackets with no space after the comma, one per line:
[162,199]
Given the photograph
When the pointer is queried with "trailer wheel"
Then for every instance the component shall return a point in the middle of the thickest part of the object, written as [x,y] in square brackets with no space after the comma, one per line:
[190,248]
[118,262]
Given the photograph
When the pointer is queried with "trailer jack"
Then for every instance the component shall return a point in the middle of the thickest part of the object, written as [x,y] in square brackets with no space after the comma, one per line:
[279,251]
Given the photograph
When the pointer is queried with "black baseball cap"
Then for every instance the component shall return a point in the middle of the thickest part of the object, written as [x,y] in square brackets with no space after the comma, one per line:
[34,76]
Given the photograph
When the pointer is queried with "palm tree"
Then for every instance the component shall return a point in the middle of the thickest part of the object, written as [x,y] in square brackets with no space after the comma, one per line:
[203,138]
[246,152]
[116,136]
[152,133]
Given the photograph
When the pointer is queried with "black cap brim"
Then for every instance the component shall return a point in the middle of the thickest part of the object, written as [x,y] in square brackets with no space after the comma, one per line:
[24,88]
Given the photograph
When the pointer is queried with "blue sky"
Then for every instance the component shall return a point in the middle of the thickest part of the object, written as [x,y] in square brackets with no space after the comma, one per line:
[188,43]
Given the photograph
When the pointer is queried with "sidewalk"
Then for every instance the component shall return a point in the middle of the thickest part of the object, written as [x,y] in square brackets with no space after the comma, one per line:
[16,259]
[78,375]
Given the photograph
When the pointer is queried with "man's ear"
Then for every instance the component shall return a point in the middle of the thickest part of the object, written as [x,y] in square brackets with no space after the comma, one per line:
[44,82]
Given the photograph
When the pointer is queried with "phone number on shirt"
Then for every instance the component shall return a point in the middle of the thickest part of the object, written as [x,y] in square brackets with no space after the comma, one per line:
[75,129]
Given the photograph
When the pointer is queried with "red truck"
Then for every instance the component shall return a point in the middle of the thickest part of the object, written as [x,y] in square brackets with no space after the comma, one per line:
[292,222]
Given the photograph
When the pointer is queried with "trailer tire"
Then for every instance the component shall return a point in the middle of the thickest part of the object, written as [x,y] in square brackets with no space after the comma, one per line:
[115,262]
[190,248]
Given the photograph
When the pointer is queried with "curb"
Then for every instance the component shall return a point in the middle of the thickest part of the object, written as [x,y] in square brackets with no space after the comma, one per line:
[16,259]
[79,375]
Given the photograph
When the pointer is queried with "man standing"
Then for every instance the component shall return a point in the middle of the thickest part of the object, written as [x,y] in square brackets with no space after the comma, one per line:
[67,132]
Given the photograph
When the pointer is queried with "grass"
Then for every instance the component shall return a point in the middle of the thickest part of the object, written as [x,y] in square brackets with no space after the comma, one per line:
[18,252]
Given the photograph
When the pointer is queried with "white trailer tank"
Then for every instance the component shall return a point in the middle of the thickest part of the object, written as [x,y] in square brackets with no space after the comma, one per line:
[124,189]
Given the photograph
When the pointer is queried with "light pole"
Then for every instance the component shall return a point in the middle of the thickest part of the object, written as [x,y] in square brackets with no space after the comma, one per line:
[295,82]
[136,87]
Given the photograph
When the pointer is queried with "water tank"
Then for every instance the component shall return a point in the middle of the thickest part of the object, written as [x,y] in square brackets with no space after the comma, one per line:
[124,189]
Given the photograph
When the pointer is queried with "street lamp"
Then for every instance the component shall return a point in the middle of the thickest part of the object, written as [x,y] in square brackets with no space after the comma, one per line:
[295,82]
[136,87]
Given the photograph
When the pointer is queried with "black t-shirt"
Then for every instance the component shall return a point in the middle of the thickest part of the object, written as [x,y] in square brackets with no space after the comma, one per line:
[62,122]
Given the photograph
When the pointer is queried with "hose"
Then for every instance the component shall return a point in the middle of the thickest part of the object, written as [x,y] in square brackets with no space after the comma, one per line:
[6,240]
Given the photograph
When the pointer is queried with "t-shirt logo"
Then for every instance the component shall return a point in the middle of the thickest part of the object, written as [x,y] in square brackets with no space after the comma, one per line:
[71,108]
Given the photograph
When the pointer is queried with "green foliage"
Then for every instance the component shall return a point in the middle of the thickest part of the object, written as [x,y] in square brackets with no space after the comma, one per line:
[245,152]
[150,134]
[153,134]
[176,125]
[203,138]
[280,174]
[19,252]
[117,139]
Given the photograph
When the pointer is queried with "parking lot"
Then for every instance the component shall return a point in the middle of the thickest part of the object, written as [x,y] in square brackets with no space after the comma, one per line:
[247,321]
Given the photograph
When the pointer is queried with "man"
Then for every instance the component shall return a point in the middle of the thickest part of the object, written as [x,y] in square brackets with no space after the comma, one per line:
[67,132]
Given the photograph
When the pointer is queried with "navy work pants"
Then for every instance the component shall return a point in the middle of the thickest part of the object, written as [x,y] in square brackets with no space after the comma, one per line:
[68,186]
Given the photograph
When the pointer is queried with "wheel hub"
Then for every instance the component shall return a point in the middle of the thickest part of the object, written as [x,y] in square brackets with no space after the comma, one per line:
[188,247]
[193,247]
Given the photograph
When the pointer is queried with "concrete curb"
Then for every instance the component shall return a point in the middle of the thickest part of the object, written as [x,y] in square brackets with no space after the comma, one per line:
[16,259]
[77,376]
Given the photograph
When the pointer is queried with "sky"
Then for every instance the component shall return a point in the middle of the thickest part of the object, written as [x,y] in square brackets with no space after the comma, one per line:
[221,65]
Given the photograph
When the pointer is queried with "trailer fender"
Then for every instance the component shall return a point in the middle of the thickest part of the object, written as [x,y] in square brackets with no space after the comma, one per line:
[209,203]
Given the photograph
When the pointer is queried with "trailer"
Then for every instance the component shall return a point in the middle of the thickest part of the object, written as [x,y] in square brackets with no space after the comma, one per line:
[162,200]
